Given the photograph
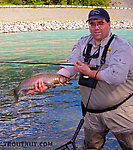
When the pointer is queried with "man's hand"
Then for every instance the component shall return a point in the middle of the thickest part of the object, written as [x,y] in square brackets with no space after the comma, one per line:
[39,87]
[85,69]
[82,68]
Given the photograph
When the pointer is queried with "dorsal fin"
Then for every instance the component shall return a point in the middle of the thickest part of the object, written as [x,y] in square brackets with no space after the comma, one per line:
[35,73]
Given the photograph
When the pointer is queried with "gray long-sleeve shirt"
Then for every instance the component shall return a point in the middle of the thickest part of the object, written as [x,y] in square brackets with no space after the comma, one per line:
[117,71]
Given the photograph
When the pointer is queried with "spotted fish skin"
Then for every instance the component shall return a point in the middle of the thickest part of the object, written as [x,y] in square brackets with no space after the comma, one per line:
[49,79]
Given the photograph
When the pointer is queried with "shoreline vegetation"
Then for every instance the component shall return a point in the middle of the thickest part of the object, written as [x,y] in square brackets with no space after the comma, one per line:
[14,20]
[58,2]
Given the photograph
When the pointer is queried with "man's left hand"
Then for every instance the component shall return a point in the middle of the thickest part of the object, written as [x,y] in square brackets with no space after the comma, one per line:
[82,68]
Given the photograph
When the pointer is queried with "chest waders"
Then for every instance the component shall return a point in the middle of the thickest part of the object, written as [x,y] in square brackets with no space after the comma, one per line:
[84,108]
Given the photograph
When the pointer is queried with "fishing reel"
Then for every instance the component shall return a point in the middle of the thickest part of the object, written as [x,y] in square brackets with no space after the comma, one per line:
[87,81]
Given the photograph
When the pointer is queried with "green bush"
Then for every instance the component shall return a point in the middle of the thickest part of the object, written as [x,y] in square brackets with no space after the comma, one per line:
[58,2]
[3,2]
[99,3]
[17,2]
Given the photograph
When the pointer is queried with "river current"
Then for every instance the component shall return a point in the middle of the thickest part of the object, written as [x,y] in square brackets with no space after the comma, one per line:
[41,120]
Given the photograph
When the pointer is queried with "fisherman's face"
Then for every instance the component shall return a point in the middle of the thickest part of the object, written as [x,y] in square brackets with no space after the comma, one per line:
[99,28]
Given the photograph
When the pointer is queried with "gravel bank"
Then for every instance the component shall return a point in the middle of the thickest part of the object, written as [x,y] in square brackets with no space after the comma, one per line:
[56,25]
[43,19]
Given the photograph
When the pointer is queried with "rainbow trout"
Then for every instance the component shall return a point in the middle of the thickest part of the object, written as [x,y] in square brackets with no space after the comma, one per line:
[49,79]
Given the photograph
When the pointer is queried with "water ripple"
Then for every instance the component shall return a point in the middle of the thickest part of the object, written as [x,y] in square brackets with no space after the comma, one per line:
[49,116]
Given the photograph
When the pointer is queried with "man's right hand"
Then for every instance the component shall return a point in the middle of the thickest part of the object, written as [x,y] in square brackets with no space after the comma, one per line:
[39,87]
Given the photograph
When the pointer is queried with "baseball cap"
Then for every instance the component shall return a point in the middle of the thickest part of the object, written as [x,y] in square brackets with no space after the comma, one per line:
[98,13]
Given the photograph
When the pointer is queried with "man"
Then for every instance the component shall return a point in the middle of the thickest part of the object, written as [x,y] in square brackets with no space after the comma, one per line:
[110,101]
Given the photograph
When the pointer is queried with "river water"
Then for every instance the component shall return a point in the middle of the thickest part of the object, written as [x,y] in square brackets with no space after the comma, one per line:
[41,120]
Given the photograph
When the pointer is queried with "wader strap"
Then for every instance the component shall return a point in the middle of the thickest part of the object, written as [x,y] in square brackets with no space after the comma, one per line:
[88,48]
[103,58]
[107,109]
[88,51]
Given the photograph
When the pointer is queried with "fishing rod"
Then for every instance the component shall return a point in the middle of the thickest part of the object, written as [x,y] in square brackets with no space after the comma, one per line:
[40,63]
[35,63]
[73,139]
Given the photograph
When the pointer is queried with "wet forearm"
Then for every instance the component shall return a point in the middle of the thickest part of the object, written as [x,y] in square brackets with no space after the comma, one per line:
[95,74]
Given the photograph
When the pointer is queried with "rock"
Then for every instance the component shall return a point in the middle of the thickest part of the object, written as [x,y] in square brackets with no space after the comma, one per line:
[26,26]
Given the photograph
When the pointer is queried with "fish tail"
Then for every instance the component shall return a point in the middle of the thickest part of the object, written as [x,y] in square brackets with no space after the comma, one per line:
[15,93]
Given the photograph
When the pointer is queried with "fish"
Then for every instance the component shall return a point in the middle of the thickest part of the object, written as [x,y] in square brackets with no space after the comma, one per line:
[49,79]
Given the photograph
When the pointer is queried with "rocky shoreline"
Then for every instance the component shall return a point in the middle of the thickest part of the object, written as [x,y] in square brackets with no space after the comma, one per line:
[26,26]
